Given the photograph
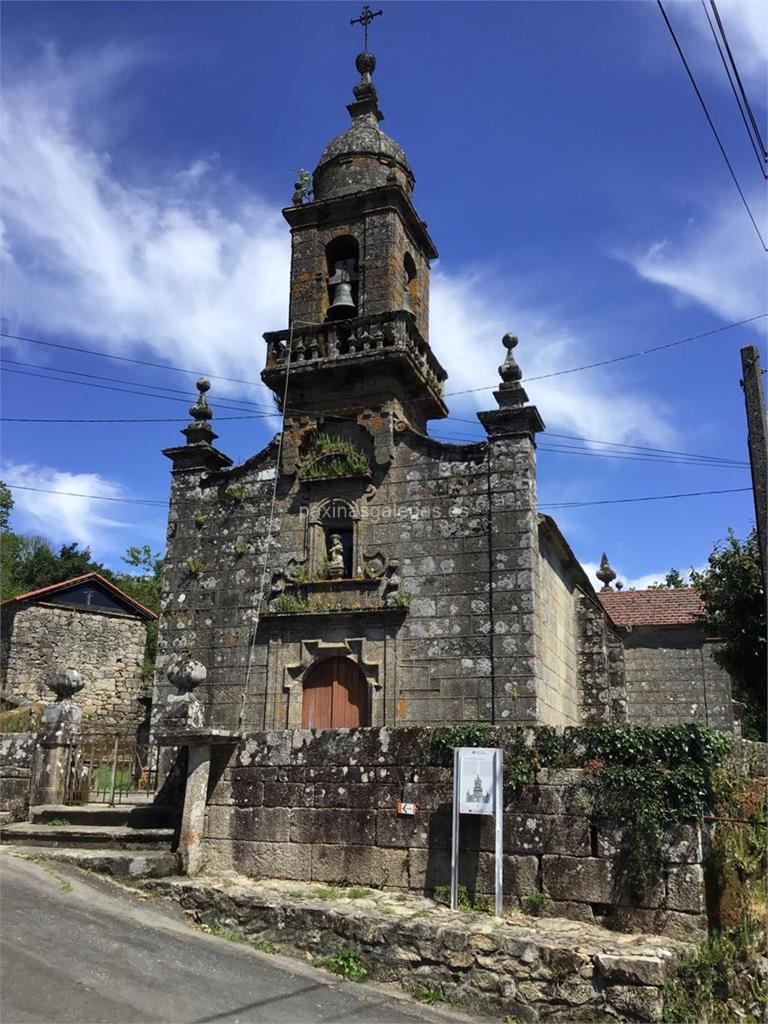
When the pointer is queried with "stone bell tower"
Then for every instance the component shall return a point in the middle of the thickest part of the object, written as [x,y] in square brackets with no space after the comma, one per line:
[359,291]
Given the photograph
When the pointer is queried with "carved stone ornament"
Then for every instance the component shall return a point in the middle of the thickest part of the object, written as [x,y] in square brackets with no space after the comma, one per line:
[65,683]
[374,565]
[186,673]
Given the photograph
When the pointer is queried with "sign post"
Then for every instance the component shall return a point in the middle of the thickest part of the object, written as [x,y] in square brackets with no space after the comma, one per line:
[477,789]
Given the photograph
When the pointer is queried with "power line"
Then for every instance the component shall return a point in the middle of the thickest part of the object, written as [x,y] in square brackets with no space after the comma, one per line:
[738,78]
[711,123]
[564,504]
[617,359]
[760,157]
[450,394]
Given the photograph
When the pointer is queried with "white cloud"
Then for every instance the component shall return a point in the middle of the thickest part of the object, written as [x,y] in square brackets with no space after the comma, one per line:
[63,517]
[746,27]
[466,331]
[196,270]
[164,264]
[717,263]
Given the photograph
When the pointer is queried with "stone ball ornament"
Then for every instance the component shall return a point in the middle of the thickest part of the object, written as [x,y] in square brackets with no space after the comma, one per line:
[186,674]
[365,63]
[65,683]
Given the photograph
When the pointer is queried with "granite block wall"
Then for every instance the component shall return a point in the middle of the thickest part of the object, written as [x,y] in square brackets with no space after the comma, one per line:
[106,648]
[321,806]
[17,750]
[461,646]
[672,677]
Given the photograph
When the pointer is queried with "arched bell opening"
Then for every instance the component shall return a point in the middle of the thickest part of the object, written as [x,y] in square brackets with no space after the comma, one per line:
[342,256]
[334,696]
[409,283]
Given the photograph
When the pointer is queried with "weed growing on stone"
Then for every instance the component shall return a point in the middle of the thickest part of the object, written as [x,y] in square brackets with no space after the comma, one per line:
[465,901]
[356,892]
[264,946]
[59,821]
[220,933]
[327,892]
[401,897]
[426,995]
[347,963]
[534,903]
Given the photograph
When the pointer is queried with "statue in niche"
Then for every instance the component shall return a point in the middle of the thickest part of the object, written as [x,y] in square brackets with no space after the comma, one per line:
[335,557]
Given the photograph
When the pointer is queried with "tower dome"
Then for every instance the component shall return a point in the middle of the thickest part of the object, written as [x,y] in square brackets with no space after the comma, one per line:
[363,156]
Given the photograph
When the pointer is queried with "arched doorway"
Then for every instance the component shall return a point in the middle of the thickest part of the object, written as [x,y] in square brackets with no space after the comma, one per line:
[335,696]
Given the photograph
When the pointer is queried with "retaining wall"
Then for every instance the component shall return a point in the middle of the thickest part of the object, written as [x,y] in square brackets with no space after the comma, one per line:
[321,806]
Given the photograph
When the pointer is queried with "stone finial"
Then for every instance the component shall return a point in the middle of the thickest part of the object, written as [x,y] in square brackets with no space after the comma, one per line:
[605,574]
[65,683]
[511,393]
[199,431]
[366,96]
[186,674]
[509,371]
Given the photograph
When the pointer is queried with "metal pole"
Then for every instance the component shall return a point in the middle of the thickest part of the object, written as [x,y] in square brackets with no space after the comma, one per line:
[114,772]
[455,834]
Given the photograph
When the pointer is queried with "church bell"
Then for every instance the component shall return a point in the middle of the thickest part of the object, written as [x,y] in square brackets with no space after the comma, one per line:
[342,301]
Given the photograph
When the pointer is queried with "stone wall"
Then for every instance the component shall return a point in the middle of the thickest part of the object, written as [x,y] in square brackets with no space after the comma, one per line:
[106,648]
[17,751]
[447,652]
[322,807]
[558,640]
[671,677]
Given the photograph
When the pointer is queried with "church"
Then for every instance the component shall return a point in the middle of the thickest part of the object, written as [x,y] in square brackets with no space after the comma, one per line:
[359,572]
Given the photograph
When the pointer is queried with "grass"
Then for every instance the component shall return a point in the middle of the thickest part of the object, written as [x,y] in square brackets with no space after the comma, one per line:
[220,933]
[55,822]
[264,946]
[430,996]
[347,963]
[481,904]
[534,903]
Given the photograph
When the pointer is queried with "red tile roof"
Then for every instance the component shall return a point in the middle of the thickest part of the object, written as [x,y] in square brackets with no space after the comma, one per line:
[94,577]
[674,607]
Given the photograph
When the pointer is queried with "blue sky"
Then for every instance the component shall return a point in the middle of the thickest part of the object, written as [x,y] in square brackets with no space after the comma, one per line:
[562,162]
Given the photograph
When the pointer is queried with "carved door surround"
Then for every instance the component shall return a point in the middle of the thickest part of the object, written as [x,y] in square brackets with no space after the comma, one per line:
[368,655]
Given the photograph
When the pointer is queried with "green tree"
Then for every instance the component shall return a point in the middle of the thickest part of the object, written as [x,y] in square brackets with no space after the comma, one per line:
[734,598]
[145,587]
[6,507]
[672,581]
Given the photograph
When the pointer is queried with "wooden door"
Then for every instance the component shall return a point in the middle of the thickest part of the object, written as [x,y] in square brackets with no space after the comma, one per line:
[335,696]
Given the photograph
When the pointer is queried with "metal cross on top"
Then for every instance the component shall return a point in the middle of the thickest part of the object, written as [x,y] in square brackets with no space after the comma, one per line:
[365,20]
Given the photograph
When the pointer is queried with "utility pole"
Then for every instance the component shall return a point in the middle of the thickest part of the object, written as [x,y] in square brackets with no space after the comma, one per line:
[754,397]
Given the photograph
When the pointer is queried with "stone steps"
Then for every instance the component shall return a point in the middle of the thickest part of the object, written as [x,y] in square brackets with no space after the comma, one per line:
[120,837]
[126,815]
[117,863]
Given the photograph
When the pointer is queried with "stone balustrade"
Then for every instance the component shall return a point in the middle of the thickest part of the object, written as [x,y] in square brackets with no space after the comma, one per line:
[358,337]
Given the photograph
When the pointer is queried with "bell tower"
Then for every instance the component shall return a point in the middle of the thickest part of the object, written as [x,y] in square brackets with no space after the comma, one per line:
[358,332]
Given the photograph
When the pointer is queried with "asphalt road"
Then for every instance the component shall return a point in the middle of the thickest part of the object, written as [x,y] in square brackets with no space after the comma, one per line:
[76,948]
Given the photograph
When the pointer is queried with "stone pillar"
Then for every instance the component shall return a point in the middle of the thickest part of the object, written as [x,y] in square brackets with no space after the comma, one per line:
[193,817]
[182,719]
[58,744]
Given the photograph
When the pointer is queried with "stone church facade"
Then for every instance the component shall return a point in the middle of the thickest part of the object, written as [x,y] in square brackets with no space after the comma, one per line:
[357,571]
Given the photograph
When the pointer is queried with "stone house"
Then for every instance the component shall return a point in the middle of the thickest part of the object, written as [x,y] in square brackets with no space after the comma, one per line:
[669,669]
[358,571]
[86,623]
